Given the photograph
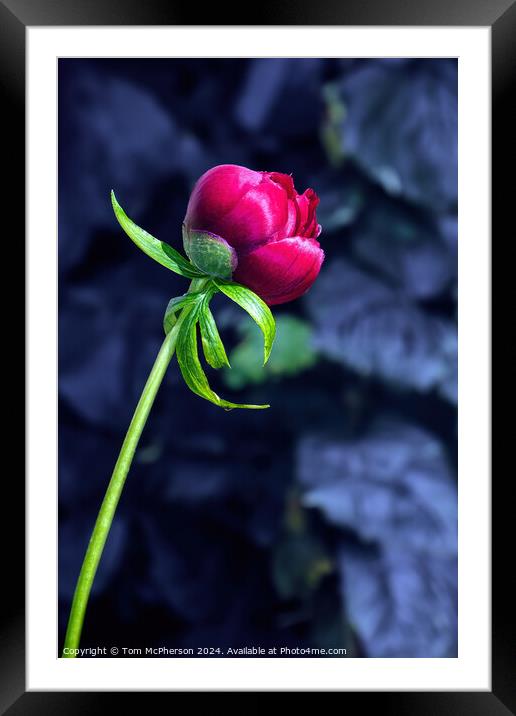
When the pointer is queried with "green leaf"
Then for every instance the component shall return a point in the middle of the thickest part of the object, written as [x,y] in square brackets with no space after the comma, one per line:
[188,359]
[212,345]
[210,253]
[175,305]
[255,307]
[157,250]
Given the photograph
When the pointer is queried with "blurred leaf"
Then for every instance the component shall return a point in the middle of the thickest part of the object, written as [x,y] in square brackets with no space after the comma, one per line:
[105,351]
[293,353]
[394,492]
[300,563]
[149,454]
[402,603]
[256,308]
[340,205]
[409,252]
[264,82]
[393,485]
[376,331]
[401,127]
[157,250]
[115,133]
[332,124]
[268,101]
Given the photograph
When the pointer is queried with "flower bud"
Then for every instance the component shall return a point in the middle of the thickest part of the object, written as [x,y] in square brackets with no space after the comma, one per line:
[255,228]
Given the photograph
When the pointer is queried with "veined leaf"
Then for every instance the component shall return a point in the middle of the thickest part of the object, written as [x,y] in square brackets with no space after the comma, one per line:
[188,359]
[175,305]
[157,250]
[255,307]
[212,345]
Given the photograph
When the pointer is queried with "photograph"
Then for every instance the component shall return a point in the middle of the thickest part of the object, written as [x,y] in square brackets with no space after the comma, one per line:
[258,354]
[257,357]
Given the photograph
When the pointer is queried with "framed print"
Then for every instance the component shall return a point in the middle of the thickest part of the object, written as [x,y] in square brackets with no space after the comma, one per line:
[258,277]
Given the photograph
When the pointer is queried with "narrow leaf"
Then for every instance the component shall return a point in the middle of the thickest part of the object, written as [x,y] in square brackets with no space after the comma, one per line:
[157,250]
[188,359]
[256,308]
[175,305]
[212,345]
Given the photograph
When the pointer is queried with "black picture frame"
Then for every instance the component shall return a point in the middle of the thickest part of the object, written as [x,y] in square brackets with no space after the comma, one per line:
[15,16]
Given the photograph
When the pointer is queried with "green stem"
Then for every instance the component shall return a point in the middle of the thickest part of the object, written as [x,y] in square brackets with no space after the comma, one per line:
[114,490]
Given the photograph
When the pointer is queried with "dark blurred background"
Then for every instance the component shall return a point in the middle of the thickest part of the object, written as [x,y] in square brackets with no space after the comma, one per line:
[330,519]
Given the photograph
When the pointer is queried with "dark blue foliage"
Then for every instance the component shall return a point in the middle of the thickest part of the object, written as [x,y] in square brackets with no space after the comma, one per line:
[393,489]
[414,254]
[317,522]
[377,331]
[400,125]
[402,603]
[132,144]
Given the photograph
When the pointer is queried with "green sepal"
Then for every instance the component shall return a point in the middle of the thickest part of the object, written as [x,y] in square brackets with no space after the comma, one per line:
[175,305]
[255,307]
[189,364]
[212,345]
[210,253]
[157,250]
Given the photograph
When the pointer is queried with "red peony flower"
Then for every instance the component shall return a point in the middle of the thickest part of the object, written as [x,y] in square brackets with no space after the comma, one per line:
[270,229]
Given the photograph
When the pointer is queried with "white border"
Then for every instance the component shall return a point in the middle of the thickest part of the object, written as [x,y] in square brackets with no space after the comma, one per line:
[471,670]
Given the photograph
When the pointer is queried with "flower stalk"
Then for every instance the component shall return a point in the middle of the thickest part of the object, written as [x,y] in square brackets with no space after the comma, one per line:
[212,264]
[116,484]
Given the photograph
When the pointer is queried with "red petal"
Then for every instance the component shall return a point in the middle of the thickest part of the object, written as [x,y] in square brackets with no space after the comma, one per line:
[282,270]
[218,191]
[244,207]
[285,181]
[260,215]
[307,222]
